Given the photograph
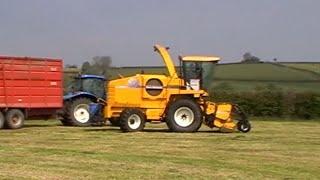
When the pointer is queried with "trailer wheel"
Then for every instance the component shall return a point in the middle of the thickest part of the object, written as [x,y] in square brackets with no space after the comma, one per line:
[184,115]
[1,120]
[14,119]
[132,120]
[79,113]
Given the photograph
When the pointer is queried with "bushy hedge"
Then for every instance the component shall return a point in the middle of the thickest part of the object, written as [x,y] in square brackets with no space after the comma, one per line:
[271,101]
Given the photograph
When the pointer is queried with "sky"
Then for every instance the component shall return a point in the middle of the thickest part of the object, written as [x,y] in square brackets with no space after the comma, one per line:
[126,30]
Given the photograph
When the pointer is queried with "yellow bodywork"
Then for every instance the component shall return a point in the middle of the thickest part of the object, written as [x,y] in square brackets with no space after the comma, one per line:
[131,92]
[222,115]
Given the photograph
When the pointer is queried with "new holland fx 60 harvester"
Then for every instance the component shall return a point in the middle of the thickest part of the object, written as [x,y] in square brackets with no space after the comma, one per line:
[180,100]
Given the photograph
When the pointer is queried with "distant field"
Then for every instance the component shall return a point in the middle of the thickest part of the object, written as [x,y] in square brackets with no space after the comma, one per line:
[313,67]
[245,77]
[273,150]
[262,72]
[257,72]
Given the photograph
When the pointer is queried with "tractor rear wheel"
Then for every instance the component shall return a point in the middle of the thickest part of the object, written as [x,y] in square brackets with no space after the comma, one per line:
[14,119]
[132,120]
[184,115]
[66,122]
[2,120]
[79,113]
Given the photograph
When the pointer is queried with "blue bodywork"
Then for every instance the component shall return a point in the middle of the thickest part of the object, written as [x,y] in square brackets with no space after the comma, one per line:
[79,94]
[85,76]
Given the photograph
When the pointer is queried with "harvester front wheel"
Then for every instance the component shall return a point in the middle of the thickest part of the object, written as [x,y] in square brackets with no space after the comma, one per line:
[132,120]
[184,115]
[1,120]
[14,119]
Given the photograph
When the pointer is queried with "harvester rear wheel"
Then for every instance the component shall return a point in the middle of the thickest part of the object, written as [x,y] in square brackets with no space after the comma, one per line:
[1,120]
[14,119]
[132,120]
[184,115]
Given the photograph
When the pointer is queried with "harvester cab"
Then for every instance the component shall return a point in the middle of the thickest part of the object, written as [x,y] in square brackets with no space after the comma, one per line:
[181,101]
[197,71]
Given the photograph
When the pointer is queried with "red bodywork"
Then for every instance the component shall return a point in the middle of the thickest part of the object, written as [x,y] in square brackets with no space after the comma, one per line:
[31,84]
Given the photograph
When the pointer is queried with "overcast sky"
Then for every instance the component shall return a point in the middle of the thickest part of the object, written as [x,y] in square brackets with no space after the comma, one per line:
[126,30]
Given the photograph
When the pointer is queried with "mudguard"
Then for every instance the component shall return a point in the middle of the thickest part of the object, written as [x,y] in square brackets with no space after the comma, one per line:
[71,96]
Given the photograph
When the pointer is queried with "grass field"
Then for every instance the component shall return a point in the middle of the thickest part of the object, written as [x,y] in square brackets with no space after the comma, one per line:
[313,67]
[262,72]
[273,150]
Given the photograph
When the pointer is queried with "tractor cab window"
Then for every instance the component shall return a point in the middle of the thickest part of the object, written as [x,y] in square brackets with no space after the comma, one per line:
[74,86]
[94,86]
[197,74]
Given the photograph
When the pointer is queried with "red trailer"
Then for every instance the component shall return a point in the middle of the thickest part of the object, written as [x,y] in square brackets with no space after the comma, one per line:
[29,87]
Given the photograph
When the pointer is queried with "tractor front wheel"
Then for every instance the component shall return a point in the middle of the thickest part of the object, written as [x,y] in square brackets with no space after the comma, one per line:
[132,120]
[184,115]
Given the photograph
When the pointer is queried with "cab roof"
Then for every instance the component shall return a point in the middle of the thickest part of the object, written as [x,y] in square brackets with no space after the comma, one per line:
[89,76]
[200,58]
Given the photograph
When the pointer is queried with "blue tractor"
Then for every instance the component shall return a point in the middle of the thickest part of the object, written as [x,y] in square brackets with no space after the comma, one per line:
[84,90]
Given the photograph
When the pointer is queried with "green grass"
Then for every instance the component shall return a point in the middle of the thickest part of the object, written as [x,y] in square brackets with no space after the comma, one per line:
[273,150]
[313,67]
[262,72]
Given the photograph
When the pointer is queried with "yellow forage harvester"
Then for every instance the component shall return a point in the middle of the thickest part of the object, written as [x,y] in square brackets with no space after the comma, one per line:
[180,100]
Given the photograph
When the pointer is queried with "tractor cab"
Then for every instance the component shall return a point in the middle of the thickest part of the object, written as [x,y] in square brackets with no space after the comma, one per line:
[197,71]
[90,84]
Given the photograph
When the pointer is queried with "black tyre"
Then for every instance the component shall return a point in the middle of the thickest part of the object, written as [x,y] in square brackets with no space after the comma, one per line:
[115,122]
[66,122]
[63,114]
[2,120]
[184,115]
[14,119]
[132,120]
[244,126]
[78,111]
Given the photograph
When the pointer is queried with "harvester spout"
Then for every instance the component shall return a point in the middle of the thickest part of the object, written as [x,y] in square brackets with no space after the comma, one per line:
[163,51]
